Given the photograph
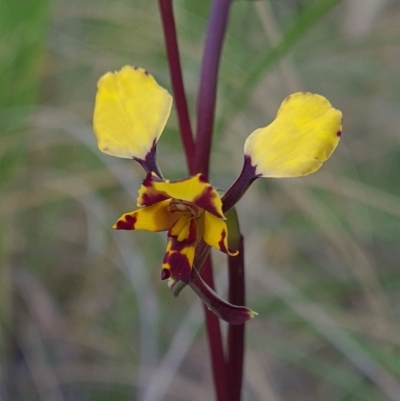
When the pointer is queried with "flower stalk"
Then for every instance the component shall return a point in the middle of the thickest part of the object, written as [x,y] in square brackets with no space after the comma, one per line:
[175,70]
[236,296]
[240,186]
[206,102]
[207,94]
[205,121]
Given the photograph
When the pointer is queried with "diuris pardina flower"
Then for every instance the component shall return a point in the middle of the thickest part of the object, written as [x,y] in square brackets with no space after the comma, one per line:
[131,111]
[189,209]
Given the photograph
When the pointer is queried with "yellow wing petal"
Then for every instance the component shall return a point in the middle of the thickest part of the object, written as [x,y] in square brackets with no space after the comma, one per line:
[185,229]
[130,113]
[303,135]
[215,233]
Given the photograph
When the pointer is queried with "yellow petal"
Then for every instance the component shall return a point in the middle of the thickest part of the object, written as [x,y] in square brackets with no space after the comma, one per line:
[185,229]
[180,225]
[178,260]
[304,134]
[215,233]
[130,113]
[152,218]
[195,190]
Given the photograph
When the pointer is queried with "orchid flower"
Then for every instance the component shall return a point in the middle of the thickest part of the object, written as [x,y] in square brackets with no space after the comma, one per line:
[131,111]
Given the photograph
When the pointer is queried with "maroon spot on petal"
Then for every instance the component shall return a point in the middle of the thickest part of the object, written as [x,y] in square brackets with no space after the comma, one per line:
[205,201]
[339,133]
[127,224]
[150,199]
[146,72]
[166,257]
[249,169]
[180,266]
[221,243]
[192,234]
[148,181]
[178,246]
[134,67]
[202,178]
[149,163]
[165,274]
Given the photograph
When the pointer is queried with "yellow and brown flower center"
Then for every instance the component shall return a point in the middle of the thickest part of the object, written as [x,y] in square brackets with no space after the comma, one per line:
[186,227]
[177,205]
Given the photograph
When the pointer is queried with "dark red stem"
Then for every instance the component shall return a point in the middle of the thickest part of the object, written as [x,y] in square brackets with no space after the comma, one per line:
[215,340]
[171,44]
[205,119]
[206,98]
[200,153]
[236,332]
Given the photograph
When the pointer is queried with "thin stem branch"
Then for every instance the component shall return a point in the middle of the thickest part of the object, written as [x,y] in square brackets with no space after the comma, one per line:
[171,44]
[206,98]
[240,186]
[236,333]
[150,164]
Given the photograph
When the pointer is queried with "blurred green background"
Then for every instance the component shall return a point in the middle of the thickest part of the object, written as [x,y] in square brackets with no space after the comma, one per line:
[84,315]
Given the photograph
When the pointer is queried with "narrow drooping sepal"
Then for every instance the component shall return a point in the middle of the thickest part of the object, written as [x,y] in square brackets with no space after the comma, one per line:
[131,111]
[303,135]
[221,308]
